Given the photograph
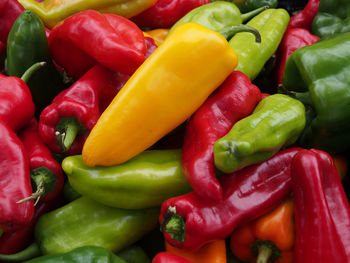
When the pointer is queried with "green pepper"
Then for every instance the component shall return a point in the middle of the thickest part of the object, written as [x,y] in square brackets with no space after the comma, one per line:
[134,254]
[276,122]
[249,5]
[69,193]
[319,76]
[217,16]
[252,56]
[144,181]
[333,17]
[85,254]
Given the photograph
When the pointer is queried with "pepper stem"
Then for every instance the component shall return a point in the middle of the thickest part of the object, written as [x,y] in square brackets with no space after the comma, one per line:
[265,251]
[264,254]
[30,71]
[253,13]
[230,31]
[43,182]
[66,132]
[30,252]
[173,224]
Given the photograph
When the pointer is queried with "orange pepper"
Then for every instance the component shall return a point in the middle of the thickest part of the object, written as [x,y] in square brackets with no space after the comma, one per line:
[272,235]
[341,164]
[158,35]
[213,252]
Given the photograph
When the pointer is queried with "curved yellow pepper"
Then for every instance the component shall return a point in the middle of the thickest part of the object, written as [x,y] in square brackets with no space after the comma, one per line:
[52,12]
[165,90]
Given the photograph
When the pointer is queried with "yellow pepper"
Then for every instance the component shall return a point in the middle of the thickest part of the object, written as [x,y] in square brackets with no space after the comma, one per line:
[164,91]
[158,35]
[52,12]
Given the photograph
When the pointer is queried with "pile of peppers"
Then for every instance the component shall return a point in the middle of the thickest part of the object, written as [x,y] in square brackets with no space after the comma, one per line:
[174,131]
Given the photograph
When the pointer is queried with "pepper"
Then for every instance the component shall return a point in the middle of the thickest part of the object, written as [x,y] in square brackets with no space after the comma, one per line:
[158,35]
[249,5]
[322,214]
[153,101]
[305,17]
[66,122]
[85,222]
[235,99]
[293,39]
[9,11]
[317,75]
[268,238]
[276,122]
[144,181]
[51,12]
[252,56]
[341,163]
[165,13]
[190,222]
[332,18]
[166,257]
[14,182]
[45,171]
[76,43]
[134,254]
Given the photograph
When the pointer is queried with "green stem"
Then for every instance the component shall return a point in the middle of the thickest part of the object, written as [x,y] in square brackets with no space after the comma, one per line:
[230,31]
[66,132]
[28,253]
[174,225]
[265,251]
[264,254]
[30,71]
[251,14]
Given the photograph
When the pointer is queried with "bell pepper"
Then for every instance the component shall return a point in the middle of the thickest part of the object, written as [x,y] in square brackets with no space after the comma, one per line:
[318,76]
[134,254]
[268,238]
[166,257]
[144,181]
[9,11]
[217,16]
[45,172]
[51,12]
[189,222]
[158,35]
[305,17]
[151,46]
[249,5]
[276,122]
[235,99]
[85,222]
[333,17]
[165,13]
[252,56]
[322,211]
[214,251]
[76,43]
[167,88]
[66,122]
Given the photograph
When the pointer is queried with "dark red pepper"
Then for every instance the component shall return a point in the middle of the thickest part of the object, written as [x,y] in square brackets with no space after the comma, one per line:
[9,11]
[65,124]
[322,213]
[293,39]
[190,222]
[165,13]
[235,99]
[305,17]
[45,172]
[166,257]
[151,46]
[88,38]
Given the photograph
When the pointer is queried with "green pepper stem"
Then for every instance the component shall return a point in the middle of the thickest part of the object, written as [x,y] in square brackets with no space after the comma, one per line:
[230,31]
[264,254]
[174,225]
[66,132]
[265,251]
[30,252]
[30,71]
[253,13]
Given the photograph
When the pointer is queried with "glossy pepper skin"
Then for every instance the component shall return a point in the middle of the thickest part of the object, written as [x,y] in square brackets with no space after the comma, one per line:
[318,76]
[52,12]
[76,44]
[320,210]
[144,181]
[252,56]
[66,122]
[9,11]
[305,17]
[189,222]
[268,238]
[249,5]
[333,18]
[158,35]
[154,102]
[166,257]
[235,99]
[165,13]
[276,122]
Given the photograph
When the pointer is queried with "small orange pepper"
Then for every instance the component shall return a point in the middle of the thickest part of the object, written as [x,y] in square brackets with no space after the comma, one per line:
[270,237]
[158,35]
[213,252]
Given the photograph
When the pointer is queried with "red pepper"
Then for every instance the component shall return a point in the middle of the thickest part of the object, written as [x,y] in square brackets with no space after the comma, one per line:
[65,124]
[45,171]
[235,99]
[322,213]
[166,257]
[151,46]
[305,18]
[190,222]
[9,11]
[293,39]
[165,13]
[14,181]
[88,38]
